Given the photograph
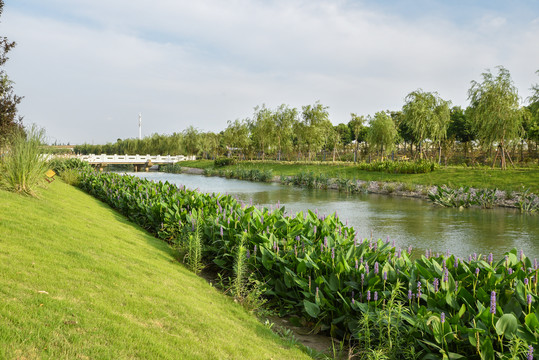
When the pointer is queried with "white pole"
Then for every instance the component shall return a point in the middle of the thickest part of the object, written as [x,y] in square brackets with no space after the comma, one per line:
[140,126]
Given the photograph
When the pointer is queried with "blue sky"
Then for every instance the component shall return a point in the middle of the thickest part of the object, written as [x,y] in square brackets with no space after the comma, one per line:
[88,67]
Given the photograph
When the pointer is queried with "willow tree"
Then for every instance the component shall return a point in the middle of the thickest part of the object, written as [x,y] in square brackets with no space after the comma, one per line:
[315,125]
[427,116]
[495,112]
[382,132]
[285,118]
[262,129]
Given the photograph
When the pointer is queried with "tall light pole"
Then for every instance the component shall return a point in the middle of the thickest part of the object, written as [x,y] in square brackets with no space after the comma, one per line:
[140,126]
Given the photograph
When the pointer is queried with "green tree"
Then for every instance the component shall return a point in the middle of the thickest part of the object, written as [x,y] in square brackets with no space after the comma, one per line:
[263,129]
[236,136]
[9,120]
[495,111]
[315,120]
[191,140]
[356,125]
[285,119]
[427,116]
[460,128]
[382,132]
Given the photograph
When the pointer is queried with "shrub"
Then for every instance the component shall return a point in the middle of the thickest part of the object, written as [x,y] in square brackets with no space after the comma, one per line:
[71,176]
[224,162]
[23,167]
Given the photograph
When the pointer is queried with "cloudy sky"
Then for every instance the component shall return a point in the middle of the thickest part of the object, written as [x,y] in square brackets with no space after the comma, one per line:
[88,67]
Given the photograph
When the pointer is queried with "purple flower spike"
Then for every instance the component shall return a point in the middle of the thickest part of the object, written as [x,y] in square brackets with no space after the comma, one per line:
[526,281]
[357,265]
[490,258]
[493,302]
[376,296]
[385,276]
[510,271]
[362,278]
[316,292]
[442,317]
[446,275]
[419,289]
[435,282]
[530,353]
[332,253]
[456,265]
[409,294]
[254,250]
[367,268]
[325,241]
[410,250]
[476,271]
[248,254]
[221,231]
[529,298]
[376,268]
[315,230]
[368,295]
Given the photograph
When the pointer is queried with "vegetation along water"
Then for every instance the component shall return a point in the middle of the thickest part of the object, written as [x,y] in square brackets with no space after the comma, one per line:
[316,268]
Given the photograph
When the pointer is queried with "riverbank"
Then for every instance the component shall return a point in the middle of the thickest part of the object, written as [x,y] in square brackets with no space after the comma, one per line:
[514,188]
[80,281]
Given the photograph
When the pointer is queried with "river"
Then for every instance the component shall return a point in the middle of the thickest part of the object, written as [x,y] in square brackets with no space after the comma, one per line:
[406,221]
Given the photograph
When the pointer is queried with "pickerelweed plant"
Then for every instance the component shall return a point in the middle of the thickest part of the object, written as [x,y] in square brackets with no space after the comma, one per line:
[316,268]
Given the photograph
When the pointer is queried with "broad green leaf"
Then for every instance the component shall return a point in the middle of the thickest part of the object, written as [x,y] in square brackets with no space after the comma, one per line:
[311,308]
[507,325]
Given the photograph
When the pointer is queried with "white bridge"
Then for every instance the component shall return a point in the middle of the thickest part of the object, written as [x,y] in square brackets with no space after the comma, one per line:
[140,161]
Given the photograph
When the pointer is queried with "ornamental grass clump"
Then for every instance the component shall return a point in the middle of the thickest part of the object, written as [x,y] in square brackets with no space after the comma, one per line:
[23,167]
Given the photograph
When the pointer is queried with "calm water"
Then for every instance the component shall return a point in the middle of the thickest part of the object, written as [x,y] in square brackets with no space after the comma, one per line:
[407,221]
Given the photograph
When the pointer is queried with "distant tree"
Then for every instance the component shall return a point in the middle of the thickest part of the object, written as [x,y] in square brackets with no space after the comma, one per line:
[427,116]
[236,136]
[531,126]
[191,140]
[315,121]
[495,112]
[356,125]
[9,120]
[382,132]
[285,119]
[263,129]
[460,128]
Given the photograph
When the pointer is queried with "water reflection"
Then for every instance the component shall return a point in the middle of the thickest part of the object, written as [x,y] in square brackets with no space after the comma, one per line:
[406,221]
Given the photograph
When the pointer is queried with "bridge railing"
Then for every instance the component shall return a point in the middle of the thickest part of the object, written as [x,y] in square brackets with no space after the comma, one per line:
[133,159]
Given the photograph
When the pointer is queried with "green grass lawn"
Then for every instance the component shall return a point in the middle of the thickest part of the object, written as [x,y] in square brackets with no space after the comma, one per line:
[78,281]
[452,176]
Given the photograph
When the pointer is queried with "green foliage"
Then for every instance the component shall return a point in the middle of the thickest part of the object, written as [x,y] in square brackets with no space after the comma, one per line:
[400,167]
[60,165]
[71,176]
[382,132]
[315,268]
[426,115]
[22,168]
[175,168]
[224,162]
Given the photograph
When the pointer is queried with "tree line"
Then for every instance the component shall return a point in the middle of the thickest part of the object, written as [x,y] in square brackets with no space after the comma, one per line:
[495,126]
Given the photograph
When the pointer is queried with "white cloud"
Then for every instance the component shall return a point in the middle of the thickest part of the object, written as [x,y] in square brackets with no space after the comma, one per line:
[87,72]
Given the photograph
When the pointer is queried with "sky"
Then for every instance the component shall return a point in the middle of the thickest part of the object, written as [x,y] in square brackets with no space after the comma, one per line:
[87,68]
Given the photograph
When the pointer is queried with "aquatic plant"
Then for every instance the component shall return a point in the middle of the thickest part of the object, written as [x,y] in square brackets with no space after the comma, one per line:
[314,267]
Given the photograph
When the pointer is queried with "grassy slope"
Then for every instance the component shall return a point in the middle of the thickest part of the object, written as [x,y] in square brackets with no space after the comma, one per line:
[453,176]
[112,290]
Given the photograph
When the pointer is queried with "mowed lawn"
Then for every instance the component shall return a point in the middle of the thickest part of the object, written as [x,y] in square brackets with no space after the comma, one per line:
[513,179]
[78,281]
